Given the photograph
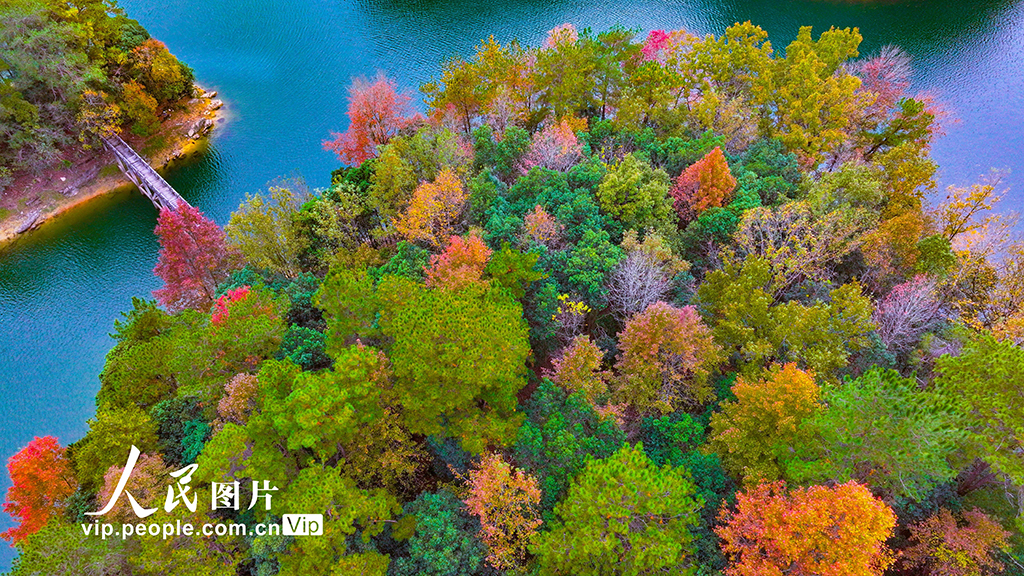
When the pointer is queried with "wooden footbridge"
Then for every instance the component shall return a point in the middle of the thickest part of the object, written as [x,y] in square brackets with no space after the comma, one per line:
[137,169]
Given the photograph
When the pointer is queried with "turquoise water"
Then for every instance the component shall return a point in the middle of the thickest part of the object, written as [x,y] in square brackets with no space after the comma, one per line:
[283,71]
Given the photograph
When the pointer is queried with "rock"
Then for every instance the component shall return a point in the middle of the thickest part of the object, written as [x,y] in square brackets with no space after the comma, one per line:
[205,125]
[210,94]
[30,220]
[216,104]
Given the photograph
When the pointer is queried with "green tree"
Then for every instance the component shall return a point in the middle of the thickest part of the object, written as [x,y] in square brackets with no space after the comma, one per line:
[266,232]
[636,195]
[623,515]
[985,386]
[459,358]
[445,540]
[880,430]
[111,435]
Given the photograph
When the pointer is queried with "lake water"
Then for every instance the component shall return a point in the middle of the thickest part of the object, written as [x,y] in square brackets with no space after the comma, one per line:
[283,70]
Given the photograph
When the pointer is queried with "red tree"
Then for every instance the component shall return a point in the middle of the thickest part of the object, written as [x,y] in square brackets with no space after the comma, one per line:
[705,184]
[220,308]
[462,263]
[376,112]
[194,259]
[910,310]
[42,479]
[815,531]
[944,546]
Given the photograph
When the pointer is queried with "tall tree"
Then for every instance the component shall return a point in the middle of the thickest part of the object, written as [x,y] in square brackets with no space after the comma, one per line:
[707,183]
[667,356]
[41,481]
[433,210]
[459,359]
[376,113]
[266,231]
[506,501]
[194,259]
[766,415]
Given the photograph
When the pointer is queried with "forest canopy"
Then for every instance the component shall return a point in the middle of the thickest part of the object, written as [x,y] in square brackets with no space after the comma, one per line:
[618,304]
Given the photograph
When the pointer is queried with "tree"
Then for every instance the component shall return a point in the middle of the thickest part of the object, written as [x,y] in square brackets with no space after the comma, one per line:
[578,369]
[798,244]
[985,385]
[561,434]
[945,545]
[623,515]
[433,210]
[667,355]
[707,183]
[906,313]
[324,410]
[140,107]
[555,147]
[462,263]
[881,430]
[111,435]
[266,232]
[41,481]
[350,306]
[764,418]
[376,113]
[815,531]
[636,195]
[147,485]
[756,331]
[444,543]
[459,359]
[163,75]
[506,502]
[645,275]
[542,228]
[194,259]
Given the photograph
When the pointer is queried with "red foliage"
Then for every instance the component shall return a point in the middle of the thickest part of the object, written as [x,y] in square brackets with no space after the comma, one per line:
[705,184]
[194,259]
[945,547]
[376,112]
[814,531]
[42,479]
[887,75]
[543,228]
[462,263]
[654,46]
[220,308]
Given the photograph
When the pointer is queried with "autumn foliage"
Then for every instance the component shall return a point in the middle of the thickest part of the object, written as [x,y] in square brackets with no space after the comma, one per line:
[506,502]
[705,184]
[433,210]
[556,147]
[376,113]
[667,354]
[42,479]
[462,262]
[815,531]
[945,545]
[194,259]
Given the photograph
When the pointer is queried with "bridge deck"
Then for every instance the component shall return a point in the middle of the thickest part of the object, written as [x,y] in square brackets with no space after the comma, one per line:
[138,170]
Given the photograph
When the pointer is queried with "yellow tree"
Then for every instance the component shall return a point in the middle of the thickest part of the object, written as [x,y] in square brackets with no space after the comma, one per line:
[765,415]
[434,209]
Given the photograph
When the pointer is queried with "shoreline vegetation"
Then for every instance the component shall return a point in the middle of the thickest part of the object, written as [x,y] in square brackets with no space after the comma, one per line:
[35,200]
[613,305]
[72,74]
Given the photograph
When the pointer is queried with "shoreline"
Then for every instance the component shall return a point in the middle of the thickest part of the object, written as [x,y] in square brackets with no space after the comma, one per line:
[184,136]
